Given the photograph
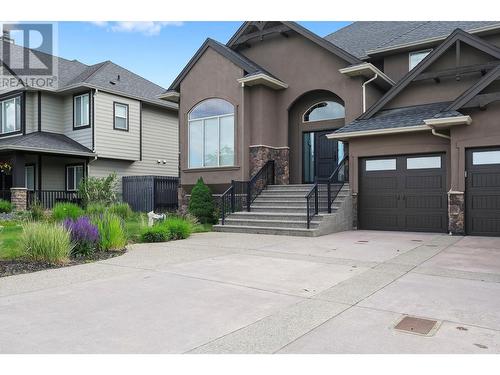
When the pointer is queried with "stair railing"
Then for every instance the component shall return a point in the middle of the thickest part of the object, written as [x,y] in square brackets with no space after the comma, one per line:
[241,194]
[338,178]
[312,194]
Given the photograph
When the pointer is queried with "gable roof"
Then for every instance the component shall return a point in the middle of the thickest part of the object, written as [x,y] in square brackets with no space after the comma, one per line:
[324,43]
[243,62]
[364,38]
[427,61]
[73,73]
[475,89]
[45,142]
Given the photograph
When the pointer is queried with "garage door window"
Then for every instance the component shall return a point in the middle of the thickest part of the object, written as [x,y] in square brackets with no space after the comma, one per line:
[381,165]
[486,157]
[426,162]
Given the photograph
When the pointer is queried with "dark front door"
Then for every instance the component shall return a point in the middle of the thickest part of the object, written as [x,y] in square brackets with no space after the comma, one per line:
[482,192]
[320,155]
[406,192]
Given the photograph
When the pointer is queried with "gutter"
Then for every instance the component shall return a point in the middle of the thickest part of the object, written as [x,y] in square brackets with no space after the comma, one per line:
[364,89]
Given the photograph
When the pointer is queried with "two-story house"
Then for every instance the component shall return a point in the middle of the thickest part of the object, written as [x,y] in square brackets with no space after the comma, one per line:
[380,125]
[101,119]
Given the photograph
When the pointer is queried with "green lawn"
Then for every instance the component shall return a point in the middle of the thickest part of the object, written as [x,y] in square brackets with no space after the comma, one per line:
[9,240]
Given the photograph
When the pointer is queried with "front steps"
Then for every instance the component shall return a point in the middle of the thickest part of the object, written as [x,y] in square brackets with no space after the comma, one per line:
[281,210]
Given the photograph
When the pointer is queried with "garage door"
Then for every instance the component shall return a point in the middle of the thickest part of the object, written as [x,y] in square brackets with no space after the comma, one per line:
[483,192]
[406,192]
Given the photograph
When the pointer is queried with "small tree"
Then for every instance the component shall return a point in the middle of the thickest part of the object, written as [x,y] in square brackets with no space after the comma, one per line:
[201,203]
[99,189]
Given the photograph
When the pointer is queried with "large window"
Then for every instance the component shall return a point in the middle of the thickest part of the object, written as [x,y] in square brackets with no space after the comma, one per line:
[211,134]
[121,116]
[74,175]
[29,177]
[81,111]
[416,57]
[324,111]
[10,115]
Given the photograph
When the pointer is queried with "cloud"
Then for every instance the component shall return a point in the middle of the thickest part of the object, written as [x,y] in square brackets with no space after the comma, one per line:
[144,27]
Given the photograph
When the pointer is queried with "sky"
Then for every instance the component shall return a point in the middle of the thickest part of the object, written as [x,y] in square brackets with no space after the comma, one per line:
[155,50]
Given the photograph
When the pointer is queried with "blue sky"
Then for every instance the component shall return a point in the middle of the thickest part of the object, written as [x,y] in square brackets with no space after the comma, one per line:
[155,51]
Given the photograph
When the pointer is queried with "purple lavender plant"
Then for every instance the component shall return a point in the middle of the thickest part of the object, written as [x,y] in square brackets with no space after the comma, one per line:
[84,235]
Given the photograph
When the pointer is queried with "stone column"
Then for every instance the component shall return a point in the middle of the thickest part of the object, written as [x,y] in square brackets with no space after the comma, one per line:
[182,200]
[19,198]
[354,210]
[259,155]
[456,212]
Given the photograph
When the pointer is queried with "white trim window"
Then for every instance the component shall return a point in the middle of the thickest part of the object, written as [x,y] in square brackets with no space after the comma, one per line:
[10,115]
[29,177]
[74,175]
[327,110]
[414,58]
[121,116]
[81,110]
[211,134]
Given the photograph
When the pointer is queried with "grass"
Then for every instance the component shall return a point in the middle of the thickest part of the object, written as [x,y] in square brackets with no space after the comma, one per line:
[10,247]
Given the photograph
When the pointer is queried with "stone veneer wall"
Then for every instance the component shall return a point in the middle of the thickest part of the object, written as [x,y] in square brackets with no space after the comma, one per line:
[456,212]
[354,210]
[259,155]
[18,198]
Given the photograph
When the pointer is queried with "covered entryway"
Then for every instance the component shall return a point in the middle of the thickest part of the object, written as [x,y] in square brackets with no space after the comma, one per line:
[320,155]
[482,192]
[406,192]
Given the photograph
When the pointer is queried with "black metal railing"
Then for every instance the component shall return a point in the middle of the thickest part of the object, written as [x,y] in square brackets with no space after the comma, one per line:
[336,181]
[312,203]
[5,195]
[240,195]
[48,198]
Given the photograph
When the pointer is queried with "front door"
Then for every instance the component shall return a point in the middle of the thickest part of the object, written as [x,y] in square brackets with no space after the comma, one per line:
[320,155]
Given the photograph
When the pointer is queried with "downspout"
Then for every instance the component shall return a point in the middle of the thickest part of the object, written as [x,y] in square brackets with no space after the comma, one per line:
[364,89]
[93,122]
[242,161]
[434,132]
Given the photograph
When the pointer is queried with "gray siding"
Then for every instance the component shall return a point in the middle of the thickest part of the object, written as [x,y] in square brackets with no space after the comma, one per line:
[31,112]
[111,143]
[52,113]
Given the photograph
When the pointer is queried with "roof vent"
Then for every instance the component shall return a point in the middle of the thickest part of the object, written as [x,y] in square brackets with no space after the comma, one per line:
[118,78]
[6,37]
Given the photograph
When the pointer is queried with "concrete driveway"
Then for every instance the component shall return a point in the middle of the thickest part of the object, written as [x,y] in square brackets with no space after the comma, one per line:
[234,293]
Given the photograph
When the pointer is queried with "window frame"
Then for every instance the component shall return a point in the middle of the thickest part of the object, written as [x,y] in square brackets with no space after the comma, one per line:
[68,166]
[26,166]
[328,119]
[438,157]
[126,129]
[86,126]
[395,159]
[203,119]
[6,98]
[428,50]
[487,163]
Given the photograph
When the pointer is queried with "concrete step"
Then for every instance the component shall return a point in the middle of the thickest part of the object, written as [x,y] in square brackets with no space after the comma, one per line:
[265,230]
[271,223]
[281,209]
[253,215]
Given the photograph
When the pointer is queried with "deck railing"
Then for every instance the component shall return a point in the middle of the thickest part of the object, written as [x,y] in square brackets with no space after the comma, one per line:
[48,198]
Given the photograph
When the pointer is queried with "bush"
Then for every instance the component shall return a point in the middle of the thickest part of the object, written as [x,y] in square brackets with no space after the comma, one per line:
[201,203]
[5,206]
[84,236]
[111,232]
[98,189]
[121,209]
[96,209]
[36,211]
[178,228]
[46,242]
[66,210]
[156,233]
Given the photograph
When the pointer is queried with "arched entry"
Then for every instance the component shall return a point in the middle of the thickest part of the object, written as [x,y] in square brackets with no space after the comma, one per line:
[310,118]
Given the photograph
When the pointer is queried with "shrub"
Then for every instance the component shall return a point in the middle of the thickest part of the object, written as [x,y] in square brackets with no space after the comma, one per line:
[66,210]
[46,242]
[121,209]
[5,206]
[201,203]
[96,209]
[84,235]
[178,228]
[111,232]
[98,189]
[156,233]
[36,211]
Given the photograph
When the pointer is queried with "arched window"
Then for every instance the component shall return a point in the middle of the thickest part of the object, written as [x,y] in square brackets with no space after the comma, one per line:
[326,110]
[211,134]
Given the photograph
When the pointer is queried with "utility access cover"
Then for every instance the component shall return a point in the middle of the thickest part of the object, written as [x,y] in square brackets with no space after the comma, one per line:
[415,325]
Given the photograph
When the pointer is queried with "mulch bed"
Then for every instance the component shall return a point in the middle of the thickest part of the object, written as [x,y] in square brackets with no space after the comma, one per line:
[18,266]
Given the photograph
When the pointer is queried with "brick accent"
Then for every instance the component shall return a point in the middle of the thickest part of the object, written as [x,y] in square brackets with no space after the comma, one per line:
[182,200]
[259,155]
[19,198]
[456,212]
[354,210]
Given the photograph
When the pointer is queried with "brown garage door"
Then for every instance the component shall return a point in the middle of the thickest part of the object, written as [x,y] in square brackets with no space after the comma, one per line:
[483,192]
[406,192]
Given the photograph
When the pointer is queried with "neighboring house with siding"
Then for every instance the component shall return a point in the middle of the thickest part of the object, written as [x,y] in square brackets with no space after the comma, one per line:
[399,120]
[101,119]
